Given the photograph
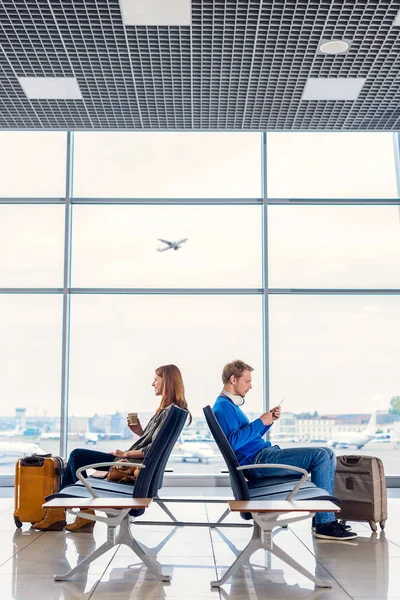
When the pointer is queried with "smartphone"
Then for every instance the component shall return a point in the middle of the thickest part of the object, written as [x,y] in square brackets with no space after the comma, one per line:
[278,404]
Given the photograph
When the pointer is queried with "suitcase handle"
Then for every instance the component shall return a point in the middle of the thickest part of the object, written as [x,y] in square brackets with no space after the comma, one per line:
[35,460]
[351,460]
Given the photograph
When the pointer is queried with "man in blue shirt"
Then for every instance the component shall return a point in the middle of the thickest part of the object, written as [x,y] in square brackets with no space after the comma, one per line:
[246,439]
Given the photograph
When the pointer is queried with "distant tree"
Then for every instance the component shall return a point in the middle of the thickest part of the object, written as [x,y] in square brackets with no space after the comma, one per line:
[395,405]
[315,414]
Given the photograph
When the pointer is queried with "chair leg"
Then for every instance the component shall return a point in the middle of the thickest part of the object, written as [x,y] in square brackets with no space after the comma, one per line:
[264,539]
[253,545]
[286,558]
[174,520]
[124,536]
[86,561]
[162,505]
[223,516]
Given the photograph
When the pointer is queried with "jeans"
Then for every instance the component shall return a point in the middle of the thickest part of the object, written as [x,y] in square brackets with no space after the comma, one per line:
[79,458]
[320,462]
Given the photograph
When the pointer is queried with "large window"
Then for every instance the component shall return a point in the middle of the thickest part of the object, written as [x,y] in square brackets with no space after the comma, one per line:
[32,164]
[118,341]
[331,165]
[341,354]
[334,246]
[220,246]
[32,245]
[288,260]
[167,165]
[30,373]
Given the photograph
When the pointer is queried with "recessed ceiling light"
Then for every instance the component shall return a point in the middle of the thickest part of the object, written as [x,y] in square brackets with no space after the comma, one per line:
[334,46]
[156,12]
[340,88]
[51,88]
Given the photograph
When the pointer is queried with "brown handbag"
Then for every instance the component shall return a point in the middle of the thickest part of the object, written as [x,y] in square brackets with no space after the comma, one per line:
[121,473]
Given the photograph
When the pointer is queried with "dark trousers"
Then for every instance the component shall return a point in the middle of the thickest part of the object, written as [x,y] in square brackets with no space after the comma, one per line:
[79,458]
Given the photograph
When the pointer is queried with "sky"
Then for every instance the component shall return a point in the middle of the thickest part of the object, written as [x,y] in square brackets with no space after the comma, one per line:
[327,353]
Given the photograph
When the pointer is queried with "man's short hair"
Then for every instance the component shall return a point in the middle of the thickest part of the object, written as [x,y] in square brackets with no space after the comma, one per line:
[236,368]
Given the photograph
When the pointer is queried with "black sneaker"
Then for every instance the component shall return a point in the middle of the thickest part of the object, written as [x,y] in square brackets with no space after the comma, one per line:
[346,527]
[333,531]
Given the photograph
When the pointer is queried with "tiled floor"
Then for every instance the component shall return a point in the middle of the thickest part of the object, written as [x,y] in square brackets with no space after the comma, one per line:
[368,568]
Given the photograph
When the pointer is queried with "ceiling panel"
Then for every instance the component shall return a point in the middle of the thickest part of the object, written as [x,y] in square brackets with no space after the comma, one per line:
[240,65]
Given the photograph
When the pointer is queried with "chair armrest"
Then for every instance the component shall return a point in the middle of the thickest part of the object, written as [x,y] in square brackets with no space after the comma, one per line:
[103,464]
[277,466]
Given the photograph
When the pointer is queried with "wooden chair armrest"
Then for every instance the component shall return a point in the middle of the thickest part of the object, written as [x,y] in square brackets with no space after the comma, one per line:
[282,506]
[98,503]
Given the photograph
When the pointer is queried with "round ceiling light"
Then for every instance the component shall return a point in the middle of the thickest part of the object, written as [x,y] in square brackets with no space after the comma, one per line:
[334,47]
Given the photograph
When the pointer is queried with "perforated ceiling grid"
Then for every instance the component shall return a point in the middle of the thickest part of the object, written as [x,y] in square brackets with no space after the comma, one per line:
[241,65]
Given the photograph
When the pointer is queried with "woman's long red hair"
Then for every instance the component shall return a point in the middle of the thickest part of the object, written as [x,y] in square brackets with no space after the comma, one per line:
[173,390]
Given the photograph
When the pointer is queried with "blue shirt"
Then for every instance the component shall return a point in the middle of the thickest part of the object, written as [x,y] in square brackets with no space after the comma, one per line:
[244,437]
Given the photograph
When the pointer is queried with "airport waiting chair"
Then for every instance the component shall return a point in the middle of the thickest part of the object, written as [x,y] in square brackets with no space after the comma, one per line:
[269,503]
[123,503]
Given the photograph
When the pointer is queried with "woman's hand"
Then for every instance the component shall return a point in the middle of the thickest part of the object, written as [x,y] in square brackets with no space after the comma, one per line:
[119,453]
[137,429]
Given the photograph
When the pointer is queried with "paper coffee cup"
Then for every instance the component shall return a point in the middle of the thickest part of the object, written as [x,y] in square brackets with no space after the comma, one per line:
[132,418]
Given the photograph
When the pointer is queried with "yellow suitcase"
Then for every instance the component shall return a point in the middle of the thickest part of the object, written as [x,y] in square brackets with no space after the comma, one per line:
[36,477]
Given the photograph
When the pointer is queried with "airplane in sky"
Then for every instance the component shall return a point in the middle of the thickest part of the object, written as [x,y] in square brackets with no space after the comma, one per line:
[344,439]
[171,245]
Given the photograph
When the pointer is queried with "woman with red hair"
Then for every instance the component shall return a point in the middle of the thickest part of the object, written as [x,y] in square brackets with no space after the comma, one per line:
[168,384]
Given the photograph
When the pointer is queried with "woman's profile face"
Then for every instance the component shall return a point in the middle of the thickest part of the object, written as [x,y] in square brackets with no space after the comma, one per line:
[157,385]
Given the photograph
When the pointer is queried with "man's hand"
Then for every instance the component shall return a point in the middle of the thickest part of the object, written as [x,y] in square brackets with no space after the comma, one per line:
[119,453]
[267,418]
[276,412]
[272,415]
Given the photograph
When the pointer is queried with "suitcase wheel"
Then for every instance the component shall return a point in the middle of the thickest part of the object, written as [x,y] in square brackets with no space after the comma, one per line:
[382,523]
[18,522]
[373,526]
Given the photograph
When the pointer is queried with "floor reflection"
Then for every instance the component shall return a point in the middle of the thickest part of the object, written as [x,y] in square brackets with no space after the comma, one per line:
[364,559]
[257,584]
[65,551]
[123,577]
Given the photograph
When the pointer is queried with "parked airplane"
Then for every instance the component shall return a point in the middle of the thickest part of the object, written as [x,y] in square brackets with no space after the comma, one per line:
[345,439]
[171,245]
[50,435]
[13,433]
[196,450]
[12,451]
[91,438]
